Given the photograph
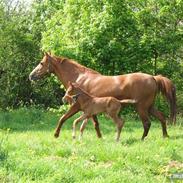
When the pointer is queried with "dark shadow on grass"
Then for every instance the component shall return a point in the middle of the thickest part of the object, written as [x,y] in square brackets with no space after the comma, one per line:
[131,141]
[175,137]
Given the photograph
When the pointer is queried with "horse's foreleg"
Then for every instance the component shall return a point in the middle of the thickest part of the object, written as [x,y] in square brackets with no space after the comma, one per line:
[73,110]
[96,126]
[76,121]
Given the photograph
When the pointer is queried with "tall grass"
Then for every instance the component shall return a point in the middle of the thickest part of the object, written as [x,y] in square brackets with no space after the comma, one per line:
[29,152]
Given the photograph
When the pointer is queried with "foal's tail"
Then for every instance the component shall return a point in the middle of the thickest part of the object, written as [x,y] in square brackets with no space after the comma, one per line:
[128,101]
[167,88]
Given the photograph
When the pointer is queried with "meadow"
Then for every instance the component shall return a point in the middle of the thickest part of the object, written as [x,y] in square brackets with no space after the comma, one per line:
[30,153]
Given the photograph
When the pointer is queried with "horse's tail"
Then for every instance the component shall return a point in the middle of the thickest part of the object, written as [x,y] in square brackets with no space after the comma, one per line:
[128,101]
[167,88]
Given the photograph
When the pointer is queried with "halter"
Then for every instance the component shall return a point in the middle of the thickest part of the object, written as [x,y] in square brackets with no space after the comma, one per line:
[75,97]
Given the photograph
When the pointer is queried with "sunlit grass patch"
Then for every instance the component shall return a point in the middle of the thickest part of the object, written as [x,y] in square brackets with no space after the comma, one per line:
[30,153]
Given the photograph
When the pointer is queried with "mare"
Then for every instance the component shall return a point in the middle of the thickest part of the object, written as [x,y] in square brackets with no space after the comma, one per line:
[140,87]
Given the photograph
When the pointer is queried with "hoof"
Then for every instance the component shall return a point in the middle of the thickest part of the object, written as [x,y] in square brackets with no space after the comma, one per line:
[166,136]
[80,138]
[56,135]
[117,140]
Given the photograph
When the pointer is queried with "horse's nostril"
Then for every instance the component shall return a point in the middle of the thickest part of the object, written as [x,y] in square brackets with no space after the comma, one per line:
[32,77]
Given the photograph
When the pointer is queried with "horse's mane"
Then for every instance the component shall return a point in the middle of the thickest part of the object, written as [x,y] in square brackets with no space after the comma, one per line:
[82,68]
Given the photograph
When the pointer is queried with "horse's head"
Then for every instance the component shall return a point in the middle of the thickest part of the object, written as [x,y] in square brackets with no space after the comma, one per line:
[43,68]
[71,94]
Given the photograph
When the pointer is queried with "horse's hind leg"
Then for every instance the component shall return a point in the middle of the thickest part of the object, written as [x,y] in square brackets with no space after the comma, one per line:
[161,118]
[96,126]
[145,121]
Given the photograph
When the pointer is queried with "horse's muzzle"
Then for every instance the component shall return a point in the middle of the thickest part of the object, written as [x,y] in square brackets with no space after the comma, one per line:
[33,77]
[64,100]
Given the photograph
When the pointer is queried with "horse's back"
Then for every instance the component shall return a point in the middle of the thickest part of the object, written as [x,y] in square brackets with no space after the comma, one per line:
[138,86]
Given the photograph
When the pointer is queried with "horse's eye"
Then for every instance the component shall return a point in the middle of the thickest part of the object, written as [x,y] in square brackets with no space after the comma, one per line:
[41,63]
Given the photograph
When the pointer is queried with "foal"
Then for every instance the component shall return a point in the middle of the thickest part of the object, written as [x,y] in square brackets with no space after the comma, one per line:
[91,105]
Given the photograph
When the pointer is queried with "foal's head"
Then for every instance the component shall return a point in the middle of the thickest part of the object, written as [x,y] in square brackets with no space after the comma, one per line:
[43,68]
[72,93]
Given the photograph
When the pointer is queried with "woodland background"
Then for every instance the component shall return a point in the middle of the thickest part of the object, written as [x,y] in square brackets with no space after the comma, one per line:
[111,36]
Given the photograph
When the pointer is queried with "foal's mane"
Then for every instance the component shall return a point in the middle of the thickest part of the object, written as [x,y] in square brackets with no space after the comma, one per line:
[83,91]
[82,68]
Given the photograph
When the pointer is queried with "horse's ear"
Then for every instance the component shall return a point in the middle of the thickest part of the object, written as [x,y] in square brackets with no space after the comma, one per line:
[47,53]
[49,57]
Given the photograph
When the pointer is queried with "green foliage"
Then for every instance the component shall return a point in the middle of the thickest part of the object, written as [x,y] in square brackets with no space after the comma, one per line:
[118,36]
[112,37]
[100,33]
[20,36]
[35,156]
[161,35]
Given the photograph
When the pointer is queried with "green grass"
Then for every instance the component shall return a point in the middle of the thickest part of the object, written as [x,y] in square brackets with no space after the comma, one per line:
[30,153]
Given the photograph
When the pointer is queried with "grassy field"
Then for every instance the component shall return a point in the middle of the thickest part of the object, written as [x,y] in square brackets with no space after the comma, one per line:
[29,152]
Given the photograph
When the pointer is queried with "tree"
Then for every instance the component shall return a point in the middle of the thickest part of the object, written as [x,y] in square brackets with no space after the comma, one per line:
[100,34]
[20,36]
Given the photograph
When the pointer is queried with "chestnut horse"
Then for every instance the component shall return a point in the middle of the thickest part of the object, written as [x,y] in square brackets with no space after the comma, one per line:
[92,105]
[137,86]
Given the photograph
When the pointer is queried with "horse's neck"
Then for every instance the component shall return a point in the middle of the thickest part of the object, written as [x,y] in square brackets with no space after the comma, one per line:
[66,72]
[69,71]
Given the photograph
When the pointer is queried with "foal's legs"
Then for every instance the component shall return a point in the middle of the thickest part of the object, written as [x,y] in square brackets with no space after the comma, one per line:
[161,118]
[96,126]
[119,123]
[145,120]
[76,121]
[73,110]
[82,127]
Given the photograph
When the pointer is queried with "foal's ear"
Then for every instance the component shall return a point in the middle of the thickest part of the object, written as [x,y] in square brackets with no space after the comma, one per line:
[45,53]
[70,83]
[48,54]
[75,84]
